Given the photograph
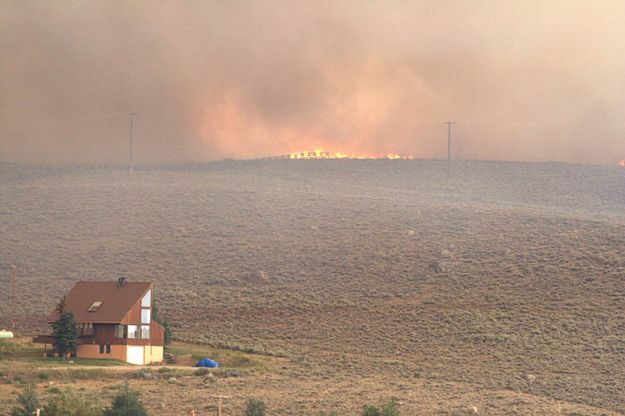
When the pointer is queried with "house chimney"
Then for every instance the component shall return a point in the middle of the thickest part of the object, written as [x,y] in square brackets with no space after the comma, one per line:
[120,281]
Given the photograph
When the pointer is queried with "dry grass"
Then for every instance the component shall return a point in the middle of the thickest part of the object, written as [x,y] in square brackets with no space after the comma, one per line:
[504,291]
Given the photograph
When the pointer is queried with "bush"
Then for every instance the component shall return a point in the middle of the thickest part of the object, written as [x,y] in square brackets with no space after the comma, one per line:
[43,376]
[255,407]
[389,409]
[70,403]
[201,372]
[126,403]
[369,410]
[28,402]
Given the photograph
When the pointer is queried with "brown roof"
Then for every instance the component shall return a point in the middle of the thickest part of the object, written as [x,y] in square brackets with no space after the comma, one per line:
[116,301]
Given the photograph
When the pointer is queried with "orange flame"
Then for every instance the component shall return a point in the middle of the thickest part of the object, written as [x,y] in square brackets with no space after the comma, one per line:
[324,154]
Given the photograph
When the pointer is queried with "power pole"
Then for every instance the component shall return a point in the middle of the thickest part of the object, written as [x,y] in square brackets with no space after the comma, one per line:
[132,119]
[449,123]
[13,275]
[220,404]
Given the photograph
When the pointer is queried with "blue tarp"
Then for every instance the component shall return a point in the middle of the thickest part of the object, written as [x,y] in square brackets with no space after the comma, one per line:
[207,362]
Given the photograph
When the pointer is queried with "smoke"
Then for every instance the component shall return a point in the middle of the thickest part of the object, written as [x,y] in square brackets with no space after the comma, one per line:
[213,79]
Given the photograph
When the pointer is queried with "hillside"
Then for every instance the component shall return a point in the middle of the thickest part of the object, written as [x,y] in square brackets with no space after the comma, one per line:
[503,288]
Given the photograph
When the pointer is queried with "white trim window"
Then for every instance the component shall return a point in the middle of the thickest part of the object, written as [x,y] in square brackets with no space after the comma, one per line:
[146,315]
[120,331]
[146,301]
[133,332]
[145,331]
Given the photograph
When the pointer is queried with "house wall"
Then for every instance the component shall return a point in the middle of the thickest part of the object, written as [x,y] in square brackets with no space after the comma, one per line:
[103,334]
[118,352]
[133,354]
[133,317]
[157,334]
[153,354]
[135,351]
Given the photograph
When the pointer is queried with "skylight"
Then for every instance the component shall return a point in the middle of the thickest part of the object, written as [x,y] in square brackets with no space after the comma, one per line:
[95,306]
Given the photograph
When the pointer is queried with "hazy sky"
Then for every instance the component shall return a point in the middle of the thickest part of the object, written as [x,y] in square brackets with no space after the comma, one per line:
[524,80]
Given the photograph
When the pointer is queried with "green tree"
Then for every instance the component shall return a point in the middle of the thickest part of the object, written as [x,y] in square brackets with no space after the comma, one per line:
[161,321]
[255,407]
[126,403]
[28,402]
[65,331]
[70,403]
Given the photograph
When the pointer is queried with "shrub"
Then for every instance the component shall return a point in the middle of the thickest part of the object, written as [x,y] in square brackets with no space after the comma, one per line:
[70,403]
[389,409]
[28,402]
[126,403]
[369,410]
[255,407]
[201,372]
[18,379]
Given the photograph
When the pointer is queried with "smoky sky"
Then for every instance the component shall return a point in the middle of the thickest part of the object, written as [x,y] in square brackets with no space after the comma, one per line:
[523,80]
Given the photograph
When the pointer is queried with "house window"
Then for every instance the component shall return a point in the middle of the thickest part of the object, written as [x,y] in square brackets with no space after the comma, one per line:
[95,306]
[145,316]
[133,332]
[146,302]
[145,331]
[85,328]
[105,348]
[120,331]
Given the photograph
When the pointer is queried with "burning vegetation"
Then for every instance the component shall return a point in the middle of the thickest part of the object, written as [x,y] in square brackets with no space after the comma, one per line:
[324,154]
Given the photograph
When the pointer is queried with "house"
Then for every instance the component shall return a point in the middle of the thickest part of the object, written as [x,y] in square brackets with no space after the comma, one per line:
[115,321]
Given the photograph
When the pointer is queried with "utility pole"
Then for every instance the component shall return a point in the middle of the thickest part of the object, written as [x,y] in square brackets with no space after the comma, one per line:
[132,119]
[449,123]
[220,404]
[13,275]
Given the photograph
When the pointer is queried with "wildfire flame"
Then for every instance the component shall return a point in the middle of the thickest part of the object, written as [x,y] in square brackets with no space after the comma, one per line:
[621,163]
[324,154]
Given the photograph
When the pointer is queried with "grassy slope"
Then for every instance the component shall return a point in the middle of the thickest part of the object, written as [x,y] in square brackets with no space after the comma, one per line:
[509,281]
